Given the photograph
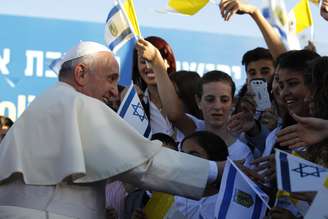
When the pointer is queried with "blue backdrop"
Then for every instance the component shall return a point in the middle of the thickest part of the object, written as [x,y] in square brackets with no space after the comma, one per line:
[28,45]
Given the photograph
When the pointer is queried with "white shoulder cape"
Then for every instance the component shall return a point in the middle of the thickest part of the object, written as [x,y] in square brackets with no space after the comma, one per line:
[65,133]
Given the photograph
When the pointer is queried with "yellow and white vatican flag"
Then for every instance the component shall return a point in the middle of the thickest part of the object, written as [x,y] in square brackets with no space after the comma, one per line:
[300,16]
[295,174]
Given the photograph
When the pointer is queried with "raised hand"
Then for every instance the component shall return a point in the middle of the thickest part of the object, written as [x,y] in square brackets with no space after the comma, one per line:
[146,50]
[230,7]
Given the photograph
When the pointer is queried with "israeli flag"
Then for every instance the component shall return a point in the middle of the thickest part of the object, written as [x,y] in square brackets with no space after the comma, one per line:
[131,110]
[120,38]
[239,196]
[295,174]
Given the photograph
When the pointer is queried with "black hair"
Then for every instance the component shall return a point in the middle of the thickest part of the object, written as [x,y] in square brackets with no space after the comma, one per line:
[255,55]
[186,87]
[318,72]
[215,76]
[165,139]
[296,60]
[215,147]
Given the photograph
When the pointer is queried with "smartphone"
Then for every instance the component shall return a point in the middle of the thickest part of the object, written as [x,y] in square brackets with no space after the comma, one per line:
[262,97]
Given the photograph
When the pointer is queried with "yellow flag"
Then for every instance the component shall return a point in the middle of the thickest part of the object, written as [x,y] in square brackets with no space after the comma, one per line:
[301,14]
[188,7]
[131,13]
[158,206]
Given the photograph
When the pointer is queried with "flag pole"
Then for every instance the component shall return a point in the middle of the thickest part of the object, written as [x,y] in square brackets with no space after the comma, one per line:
[312,32]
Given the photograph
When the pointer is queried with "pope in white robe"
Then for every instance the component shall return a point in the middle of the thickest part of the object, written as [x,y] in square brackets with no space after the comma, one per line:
[56,157]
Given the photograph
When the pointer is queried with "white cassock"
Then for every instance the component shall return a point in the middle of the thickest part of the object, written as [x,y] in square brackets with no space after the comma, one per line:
[55,158]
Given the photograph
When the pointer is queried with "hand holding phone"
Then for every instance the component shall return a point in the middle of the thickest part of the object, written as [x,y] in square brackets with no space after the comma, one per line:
[260,90]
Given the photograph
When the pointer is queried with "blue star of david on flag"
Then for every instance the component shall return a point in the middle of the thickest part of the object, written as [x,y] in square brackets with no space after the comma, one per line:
[132,112]
[295,174]
[308,170]
[139,111]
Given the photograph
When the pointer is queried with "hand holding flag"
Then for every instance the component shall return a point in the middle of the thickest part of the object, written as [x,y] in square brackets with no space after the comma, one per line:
[152,56]
[147,51]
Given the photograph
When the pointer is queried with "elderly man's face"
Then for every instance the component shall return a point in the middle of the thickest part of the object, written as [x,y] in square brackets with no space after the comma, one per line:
[102,78]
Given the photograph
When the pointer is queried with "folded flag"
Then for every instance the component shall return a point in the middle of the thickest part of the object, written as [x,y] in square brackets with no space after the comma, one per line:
[132,111]
[295,174]
[239,196]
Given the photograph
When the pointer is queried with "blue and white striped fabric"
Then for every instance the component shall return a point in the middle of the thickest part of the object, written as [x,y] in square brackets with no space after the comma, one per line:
[276,14]
[239,197]
[295,174]
[131,110]
[120,38]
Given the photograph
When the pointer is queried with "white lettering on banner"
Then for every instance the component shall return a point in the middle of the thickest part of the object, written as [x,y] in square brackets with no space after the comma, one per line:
[9,109]
[35,60]
[30,56]
[224,68]
[4,61]
[234,71]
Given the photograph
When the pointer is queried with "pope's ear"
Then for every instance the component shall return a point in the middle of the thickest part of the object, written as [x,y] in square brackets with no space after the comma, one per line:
[80,74]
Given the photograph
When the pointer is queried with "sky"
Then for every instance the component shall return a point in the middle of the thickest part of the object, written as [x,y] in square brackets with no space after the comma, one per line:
[207,20]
